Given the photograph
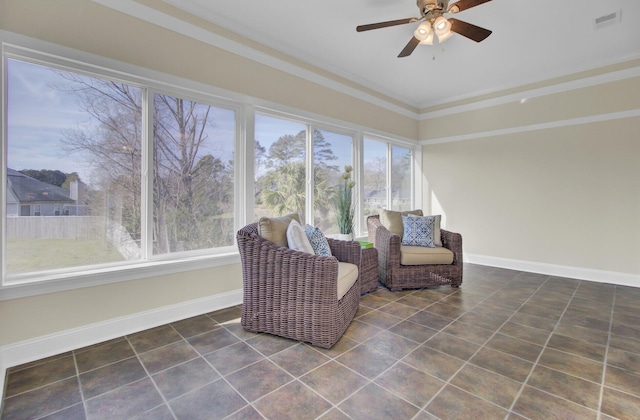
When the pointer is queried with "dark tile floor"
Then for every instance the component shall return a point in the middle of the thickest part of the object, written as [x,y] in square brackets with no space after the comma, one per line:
[507,344]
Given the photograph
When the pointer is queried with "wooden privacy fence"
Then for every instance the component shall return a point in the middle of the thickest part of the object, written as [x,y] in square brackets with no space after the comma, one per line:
[56,227]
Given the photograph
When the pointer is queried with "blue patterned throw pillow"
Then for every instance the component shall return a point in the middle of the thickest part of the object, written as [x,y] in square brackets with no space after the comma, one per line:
[318,240]
[418,231]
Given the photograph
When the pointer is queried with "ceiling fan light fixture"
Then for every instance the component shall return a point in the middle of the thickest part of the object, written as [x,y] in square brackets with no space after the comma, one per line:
[423,32]
[428,40]
[444,37]
[442,28]
[441,25]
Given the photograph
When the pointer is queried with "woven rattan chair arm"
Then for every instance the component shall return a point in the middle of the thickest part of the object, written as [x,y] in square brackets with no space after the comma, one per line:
[386,242]
[345,251]
[453,242]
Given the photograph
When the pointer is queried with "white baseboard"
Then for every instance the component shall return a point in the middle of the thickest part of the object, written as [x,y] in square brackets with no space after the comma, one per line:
[601,276]
[38,348]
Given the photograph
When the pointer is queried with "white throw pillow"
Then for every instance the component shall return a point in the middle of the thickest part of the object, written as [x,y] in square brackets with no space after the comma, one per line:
[297,238]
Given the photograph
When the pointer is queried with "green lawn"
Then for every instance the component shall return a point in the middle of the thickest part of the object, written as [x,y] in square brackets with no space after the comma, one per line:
[29,255]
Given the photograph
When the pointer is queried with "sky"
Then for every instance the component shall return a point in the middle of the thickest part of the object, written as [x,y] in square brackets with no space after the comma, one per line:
[37,115]
[41,107]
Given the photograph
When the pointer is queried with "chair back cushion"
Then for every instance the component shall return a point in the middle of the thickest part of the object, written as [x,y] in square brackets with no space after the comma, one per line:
[274,229]
[392,220]
[297,239]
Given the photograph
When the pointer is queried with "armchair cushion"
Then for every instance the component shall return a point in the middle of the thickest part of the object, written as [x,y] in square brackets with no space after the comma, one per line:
[274,229]
[392,220]
[347,276]
[297,238]
[418,231]
[420,255]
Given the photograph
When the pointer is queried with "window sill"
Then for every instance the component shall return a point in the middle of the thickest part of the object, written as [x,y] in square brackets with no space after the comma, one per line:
[90,278]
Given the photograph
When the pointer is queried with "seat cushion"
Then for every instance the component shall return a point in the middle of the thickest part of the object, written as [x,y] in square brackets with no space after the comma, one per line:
[420,255]
[392,220]
[347,276]
[274,229]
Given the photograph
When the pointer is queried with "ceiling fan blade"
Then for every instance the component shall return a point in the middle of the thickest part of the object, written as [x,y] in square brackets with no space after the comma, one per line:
[408,49]
[466,4]
[379,25]
[468,30]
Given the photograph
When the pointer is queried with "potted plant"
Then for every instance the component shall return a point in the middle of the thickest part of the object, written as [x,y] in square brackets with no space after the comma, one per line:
[344,207]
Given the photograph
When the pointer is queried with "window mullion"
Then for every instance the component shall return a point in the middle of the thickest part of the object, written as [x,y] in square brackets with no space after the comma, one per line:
[389,169]
[309,185]
[146,210]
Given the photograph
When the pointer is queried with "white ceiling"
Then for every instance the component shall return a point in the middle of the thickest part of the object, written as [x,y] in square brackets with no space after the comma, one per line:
[532,40]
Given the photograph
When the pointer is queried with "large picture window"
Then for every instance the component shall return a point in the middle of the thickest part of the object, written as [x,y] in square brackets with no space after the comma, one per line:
[73,170]
[75,152]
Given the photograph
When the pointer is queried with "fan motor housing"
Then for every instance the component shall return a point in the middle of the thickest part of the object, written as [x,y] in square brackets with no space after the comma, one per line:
[426,6]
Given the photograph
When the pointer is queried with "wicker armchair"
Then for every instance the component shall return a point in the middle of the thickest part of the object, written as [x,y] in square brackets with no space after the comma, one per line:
[396,276]
[294,294]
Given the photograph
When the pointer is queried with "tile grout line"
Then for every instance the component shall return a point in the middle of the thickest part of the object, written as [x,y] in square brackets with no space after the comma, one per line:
[606,352]
[82,399]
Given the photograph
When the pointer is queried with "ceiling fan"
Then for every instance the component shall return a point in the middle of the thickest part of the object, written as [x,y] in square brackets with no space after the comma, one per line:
[432,13]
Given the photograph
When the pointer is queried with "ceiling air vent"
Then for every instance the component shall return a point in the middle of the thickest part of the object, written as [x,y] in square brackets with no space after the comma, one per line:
[607,20]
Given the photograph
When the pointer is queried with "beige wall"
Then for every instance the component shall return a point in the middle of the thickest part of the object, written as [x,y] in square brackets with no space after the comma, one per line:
[89,27]
[560,185]
[41,315]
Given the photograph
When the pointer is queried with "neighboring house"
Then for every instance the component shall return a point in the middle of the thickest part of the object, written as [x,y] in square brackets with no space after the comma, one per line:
[378,199]
[27,196]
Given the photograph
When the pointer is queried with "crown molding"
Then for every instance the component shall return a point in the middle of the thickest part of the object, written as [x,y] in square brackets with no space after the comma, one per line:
[534,127]
[535,93]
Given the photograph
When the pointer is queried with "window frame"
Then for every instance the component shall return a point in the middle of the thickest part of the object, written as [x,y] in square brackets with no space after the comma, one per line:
[154,82]
[40,53]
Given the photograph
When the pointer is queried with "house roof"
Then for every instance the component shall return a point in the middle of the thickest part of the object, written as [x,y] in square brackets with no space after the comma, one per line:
[21,188]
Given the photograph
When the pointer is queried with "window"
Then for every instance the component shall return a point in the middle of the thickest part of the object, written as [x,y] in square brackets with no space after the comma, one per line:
[400,178]
[332,152]
[75,148]
[193,175]
[388,177]
[281,172]
[375,176]
[63,128]
[280,167]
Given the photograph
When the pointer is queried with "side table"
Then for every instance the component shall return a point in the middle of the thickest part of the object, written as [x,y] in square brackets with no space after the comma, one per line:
[368,270]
